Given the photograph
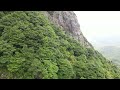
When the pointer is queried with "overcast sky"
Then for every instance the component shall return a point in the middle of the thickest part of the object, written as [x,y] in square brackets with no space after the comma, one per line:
[102,25]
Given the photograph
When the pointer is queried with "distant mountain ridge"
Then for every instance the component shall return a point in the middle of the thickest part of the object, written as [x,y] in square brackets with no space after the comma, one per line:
[111,52]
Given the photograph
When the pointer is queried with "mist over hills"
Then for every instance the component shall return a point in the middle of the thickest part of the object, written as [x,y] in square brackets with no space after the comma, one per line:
[105,41]
[109,47]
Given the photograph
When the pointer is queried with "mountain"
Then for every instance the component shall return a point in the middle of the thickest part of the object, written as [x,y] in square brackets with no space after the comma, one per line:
[48,45]
[67,20]
[112,53]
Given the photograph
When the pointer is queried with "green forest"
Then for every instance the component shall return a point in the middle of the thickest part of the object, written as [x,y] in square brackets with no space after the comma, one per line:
[31,47]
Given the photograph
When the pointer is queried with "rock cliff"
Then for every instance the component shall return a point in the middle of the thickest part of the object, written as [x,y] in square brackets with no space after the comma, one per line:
[67,20]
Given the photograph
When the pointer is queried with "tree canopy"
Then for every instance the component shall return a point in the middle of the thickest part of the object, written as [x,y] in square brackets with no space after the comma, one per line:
[32,47]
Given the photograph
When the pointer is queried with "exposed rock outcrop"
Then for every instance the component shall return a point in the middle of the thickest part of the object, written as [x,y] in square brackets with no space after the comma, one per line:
[67,20]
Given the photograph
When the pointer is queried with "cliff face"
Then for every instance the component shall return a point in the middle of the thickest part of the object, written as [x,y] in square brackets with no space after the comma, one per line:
[67,20]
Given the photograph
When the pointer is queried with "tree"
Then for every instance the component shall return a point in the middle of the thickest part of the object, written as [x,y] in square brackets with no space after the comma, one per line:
[65,69]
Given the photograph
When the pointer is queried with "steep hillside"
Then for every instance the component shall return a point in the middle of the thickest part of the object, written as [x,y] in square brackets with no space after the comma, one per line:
[67,21]
[32,46]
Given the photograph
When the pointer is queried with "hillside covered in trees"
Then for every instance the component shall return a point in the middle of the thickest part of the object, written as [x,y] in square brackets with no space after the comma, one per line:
[31,47]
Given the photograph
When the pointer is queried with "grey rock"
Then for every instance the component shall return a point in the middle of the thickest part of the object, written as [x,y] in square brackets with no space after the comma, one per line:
[67,20]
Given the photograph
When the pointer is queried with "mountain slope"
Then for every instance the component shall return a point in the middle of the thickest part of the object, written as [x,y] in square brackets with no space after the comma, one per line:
[67,21]
[31,46]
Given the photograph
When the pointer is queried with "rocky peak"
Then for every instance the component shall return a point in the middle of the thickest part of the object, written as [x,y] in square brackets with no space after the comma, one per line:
[67,20]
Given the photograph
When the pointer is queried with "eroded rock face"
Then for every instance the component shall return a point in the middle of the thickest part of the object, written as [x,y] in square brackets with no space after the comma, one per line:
[67,20]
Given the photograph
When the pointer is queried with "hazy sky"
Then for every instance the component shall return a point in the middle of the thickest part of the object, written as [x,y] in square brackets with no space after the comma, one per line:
[100,25]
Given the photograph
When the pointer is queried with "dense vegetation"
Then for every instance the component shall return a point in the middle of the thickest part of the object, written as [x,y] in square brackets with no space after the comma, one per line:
[31,47]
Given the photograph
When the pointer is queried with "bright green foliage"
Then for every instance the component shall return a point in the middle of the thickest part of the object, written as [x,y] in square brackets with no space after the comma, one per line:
[32,47]
[65,69]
